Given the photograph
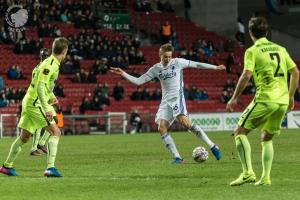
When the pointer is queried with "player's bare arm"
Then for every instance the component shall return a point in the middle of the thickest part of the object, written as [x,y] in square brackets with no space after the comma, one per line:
[294,80]
[241,85]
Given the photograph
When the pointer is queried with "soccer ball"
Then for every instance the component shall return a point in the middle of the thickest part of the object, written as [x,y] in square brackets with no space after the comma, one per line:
[200,154]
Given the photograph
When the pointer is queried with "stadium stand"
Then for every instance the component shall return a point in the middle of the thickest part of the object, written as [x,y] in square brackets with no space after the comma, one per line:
[187,34]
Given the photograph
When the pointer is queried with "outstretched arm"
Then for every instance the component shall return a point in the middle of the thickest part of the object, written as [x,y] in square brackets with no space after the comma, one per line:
[137,81]
[241,85]
[205,66]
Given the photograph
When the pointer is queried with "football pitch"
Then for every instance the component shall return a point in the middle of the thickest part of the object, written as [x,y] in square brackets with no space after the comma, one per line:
[138,167]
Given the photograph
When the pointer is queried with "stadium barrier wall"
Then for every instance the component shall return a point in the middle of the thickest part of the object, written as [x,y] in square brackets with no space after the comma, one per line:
[228,121]
[216,121]
[293,119]
[117,123]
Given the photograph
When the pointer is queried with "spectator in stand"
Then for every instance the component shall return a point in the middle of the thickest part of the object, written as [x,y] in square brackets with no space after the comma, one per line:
[67,66]
[20,94]
[75,67]
[229,62]
[113,62]
[137,95]
[28,46]
[142,6]
[64,17]
[6,91]
[92,78]
[3,101]
[132,55]
[98,88]
[250,89]
[15,95]
[77,78]
[240,34]
[204,95]
[42,30]
[164,5]
[228,46]
[153,5]
[174,41]
[85,105]
[20,73]
[156,95]
[194,93]
[96,104]
[59,90]
[102,89]
[12,95]
[78,18]
[56,31]
[221,46]
[166,32]
[297,95]
[135,122]
[96,67]
[84,75]
[20,46]
[146,94]
[105,89]
[104,100]
[126,61]
[186,91]
[139,58]
[229,85]
[197,45]
[82,53]
[225,97]
[120,63]
[38,46]
[12,73]
[101,67]
[1,83]
[118,92]
[112,5]
[4,37]
[198,94]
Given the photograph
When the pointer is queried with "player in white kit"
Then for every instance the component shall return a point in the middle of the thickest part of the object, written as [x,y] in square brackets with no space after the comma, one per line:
[170,74]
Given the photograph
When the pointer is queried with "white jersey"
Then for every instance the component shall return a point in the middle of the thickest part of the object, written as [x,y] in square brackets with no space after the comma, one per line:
[171,80]
[170,76]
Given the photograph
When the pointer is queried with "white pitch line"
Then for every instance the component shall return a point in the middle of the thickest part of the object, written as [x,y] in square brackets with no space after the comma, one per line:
[105,178]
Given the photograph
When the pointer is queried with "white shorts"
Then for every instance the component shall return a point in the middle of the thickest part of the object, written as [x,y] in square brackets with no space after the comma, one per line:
[169,110]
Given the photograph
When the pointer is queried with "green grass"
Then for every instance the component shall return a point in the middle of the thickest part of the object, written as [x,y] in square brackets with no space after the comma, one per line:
[138,167]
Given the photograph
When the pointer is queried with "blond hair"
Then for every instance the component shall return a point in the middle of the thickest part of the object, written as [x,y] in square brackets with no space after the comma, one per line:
[59,45]
[165,48]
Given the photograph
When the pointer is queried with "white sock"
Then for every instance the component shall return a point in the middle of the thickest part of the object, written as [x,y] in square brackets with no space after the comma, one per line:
[198,131]
[170,144]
